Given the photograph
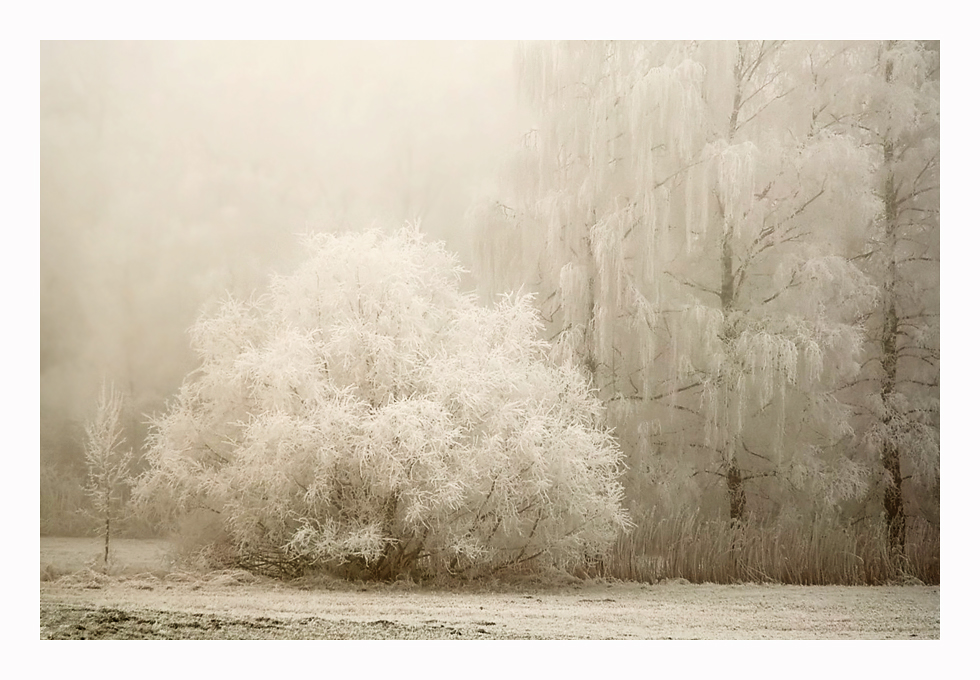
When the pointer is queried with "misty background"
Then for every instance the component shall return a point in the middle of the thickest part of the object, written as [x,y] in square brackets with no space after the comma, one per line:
[175,173]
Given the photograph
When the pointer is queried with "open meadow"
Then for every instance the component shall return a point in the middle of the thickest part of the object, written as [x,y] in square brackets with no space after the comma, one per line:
[146,596]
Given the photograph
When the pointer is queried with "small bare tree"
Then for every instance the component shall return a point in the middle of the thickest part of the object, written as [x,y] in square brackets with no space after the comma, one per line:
[108,463]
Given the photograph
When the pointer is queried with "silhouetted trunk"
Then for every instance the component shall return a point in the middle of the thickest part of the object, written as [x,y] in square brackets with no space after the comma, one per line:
[105,562]
[894,504]
[736,492]
[387,566]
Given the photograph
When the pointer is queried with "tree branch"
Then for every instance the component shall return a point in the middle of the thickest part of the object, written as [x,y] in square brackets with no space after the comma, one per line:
[696,286]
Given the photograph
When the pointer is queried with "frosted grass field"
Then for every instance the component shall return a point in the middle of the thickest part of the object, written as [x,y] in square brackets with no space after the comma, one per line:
[145,596]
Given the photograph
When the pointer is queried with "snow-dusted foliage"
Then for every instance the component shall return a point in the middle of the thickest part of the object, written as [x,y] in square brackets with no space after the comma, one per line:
[689,218]
[108,463]
[893,107]
[366,415]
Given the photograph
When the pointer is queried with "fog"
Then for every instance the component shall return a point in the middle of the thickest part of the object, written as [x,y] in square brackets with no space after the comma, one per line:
[173,173]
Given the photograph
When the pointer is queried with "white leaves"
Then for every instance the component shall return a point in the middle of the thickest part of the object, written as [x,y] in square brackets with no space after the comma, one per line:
[902,102]
[833,481]
[367,541]
[573,285]
[285,367]
[831,282]
[373,404]
[409,445]
[228,331]
[736,179]
[673,95]
[771,359]
[696,205]
[605,239]
[908,425]
[691,212]
[837,165]
[515,328]
[107,462]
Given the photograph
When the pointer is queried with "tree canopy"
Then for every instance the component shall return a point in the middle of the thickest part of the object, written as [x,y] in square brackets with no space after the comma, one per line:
[693,216]
[366,415]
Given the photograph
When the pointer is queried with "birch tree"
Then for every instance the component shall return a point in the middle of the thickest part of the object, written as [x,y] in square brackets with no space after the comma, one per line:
[367,417]
[108,464]
[684,219]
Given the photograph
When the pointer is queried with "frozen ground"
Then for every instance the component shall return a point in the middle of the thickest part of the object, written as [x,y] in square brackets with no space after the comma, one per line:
[146,600]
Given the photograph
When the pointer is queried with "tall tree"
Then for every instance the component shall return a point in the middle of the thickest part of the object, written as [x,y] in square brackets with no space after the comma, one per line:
[894,108]
[683,217]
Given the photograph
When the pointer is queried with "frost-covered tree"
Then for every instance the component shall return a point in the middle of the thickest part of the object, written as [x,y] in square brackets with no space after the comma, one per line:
[892,104]
[367,416]
[685,221]
[109,465]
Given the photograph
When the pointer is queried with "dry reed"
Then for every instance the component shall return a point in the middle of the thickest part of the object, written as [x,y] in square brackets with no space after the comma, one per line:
[822,552]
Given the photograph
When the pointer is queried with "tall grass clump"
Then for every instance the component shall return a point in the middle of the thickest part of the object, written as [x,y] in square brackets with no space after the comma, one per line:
[823,551]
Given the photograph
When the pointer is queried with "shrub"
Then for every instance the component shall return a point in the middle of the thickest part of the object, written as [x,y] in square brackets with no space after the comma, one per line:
[367,416]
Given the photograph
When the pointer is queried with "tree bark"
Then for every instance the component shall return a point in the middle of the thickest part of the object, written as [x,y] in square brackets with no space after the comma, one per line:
[591,350]
[890,456]
[105,562]
[736,492]
[387,565]
[735,483]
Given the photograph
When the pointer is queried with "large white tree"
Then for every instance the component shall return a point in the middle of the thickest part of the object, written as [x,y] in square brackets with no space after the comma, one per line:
[367,416]
[685,220]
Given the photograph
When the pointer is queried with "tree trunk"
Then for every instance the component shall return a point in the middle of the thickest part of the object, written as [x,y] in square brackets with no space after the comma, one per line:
[735,483]
[890,458]
[736,492]
[105,562]
[894,504]
[387,565]
[590,359]
[736,487]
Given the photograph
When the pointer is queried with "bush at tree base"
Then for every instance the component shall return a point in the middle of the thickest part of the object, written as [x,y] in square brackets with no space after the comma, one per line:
[365,415]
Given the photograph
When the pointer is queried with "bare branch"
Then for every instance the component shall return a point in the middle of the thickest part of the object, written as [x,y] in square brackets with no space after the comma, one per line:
[696,286]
